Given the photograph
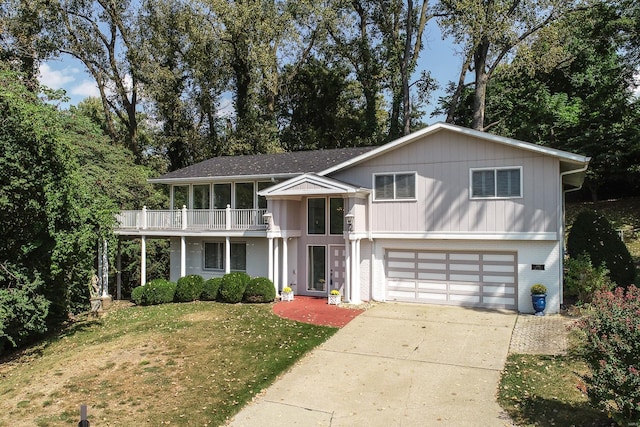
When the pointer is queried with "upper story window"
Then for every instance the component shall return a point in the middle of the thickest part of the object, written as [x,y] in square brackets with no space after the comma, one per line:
[496,182]
[395,186]
[317,210]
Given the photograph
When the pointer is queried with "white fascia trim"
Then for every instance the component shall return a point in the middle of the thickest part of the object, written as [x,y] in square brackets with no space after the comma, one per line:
[547,236]
[180,233]
[562,155]
[228,178]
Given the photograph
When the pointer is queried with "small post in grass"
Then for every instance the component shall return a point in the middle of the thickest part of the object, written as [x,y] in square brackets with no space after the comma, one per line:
[84,422]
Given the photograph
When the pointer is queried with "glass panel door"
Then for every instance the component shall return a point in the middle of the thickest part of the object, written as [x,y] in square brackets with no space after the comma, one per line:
[317,269]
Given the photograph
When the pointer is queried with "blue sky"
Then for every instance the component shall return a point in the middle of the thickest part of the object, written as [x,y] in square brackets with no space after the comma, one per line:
[438,56]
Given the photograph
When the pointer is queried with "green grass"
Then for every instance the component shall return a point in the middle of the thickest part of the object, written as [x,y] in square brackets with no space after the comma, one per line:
[540,390]
[156,365]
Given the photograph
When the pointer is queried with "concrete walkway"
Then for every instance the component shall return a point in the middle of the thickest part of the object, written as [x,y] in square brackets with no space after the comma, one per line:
[395,365]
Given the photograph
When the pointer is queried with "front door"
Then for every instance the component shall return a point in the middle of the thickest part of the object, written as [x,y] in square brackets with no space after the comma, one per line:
[337,265]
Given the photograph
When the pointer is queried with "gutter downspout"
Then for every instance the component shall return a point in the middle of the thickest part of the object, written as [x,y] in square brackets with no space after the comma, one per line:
[562,223]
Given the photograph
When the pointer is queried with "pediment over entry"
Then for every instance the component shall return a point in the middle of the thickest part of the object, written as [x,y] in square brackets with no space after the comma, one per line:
[312,185]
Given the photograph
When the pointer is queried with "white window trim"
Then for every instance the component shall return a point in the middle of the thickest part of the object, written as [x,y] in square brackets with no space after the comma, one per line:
[495,183]
[394,199]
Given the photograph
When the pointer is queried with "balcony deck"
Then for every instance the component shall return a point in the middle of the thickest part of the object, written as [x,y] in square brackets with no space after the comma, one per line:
[191,220]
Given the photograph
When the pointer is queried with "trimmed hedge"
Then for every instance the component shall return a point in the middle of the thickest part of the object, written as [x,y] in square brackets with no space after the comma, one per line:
[189,288]
[210,289]
[158,291]
[233,286]
[593,235]
[260,289]
[137,294]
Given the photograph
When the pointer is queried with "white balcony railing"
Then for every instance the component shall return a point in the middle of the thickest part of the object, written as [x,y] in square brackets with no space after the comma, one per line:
[192,219]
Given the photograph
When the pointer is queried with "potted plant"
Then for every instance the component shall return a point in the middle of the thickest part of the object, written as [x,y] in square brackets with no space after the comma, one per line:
[334,297]
[539,298]
[286,294]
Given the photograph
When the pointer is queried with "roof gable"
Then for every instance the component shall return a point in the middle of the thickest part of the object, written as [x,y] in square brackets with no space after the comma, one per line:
[570,160]
[310,184]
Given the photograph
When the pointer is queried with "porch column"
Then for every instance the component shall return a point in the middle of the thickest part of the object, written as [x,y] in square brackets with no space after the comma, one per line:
[285,266]
[119,271]
[105,269]
[143,261]
[183,256]
[355,290]
[270,260]
[347,270]
[227,255]
[276,261]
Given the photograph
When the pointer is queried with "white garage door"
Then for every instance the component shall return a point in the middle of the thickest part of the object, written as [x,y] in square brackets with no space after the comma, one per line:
[470,278]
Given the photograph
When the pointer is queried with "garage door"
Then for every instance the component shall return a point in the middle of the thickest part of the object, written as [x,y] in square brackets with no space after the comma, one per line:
[470,278]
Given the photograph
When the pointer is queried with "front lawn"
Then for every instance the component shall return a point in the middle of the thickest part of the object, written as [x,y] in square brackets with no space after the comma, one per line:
[541,390]
[186,364]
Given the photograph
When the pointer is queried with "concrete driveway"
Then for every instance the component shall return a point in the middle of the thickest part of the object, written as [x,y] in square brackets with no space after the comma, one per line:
[395,365]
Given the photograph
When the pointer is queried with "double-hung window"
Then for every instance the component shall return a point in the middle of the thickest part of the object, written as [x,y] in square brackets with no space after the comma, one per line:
[496,183]
[394,186]
[214,256]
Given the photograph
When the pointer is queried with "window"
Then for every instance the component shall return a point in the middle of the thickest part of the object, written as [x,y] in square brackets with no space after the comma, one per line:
[398,186]
[221,196]
[201,196]
[336,216]
[316,216]
[244,195]
[214,256]
[180,196]
[496,183]
[262,201]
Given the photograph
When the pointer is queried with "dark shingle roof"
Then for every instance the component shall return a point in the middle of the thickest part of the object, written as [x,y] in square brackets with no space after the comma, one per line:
[296,162]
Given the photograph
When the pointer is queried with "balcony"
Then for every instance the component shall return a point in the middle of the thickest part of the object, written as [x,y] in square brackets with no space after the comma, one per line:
[192,220]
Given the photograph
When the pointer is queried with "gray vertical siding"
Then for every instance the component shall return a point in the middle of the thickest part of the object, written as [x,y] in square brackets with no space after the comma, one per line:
[442,162]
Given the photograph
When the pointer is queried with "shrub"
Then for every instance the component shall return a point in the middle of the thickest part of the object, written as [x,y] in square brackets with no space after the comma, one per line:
[582,279]
[611,348]
[23,312]
[260,289]
[189,288]
[158,291]
[232,287]
[593,234]
[137,295]
[210,289]
[538,289]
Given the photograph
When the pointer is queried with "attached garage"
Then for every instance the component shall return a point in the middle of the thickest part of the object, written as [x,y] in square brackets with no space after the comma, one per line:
[484,279]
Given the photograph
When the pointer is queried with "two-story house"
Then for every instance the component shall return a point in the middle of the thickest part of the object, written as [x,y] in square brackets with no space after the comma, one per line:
[445,215]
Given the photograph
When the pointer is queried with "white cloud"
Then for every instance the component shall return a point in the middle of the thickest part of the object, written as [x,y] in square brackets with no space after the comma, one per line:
[56,79]
[85,89]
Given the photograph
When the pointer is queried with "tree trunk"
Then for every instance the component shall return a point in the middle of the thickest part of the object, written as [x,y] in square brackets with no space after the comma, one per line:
[480,62]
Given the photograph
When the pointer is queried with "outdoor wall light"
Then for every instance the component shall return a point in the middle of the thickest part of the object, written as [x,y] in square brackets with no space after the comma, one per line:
[267,217]
[350,217]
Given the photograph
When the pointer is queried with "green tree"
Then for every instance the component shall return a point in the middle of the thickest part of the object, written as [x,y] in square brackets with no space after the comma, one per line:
[318,109]
[489,31]
[47,219]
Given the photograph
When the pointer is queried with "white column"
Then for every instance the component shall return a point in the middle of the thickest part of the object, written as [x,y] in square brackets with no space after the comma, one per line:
[105,269]
[143,261]
[183,256]
[270,260]
[276,262]
[227,255]
[347,270]
[355,290]
[354,272]
[285,263]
